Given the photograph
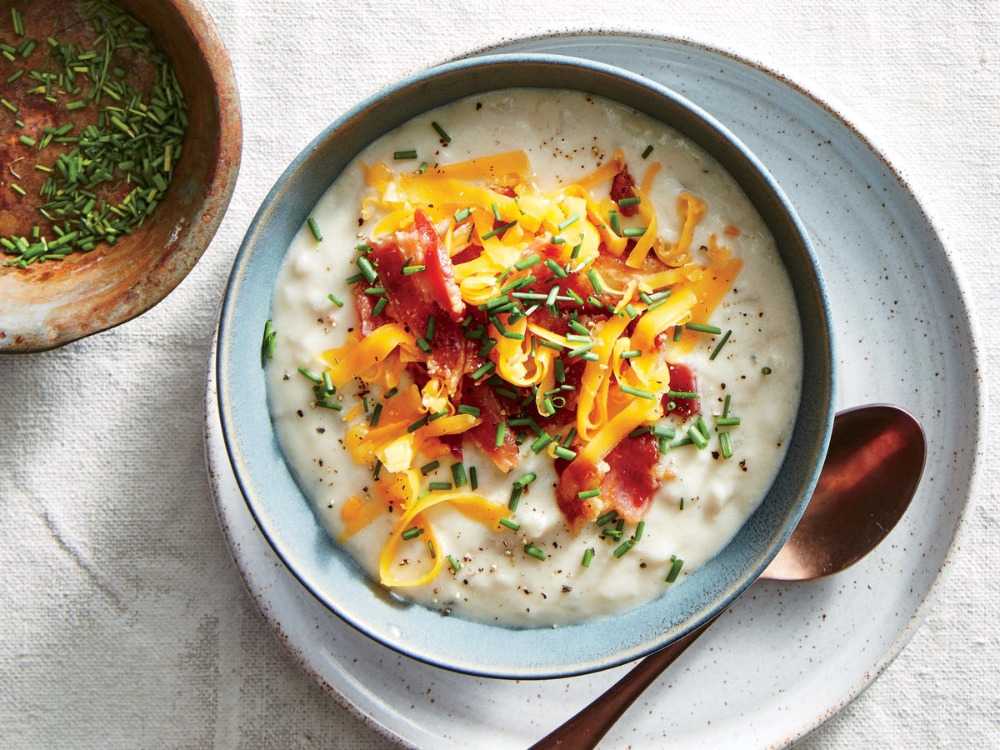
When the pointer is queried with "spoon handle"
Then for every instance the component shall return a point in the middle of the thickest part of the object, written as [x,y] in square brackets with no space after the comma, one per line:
[586,729]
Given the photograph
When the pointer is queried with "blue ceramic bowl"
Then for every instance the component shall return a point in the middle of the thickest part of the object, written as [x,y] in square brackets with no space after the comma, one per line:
[284,514]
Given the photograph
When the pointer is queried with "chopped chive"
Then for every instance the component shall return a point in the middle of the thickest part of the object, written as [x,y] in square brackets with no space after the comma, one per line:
[581,350]
[439,486]
[535,551]
[375,291]
[633,231]
[525,263]
[462,214]
[630,311]
[416,268]
[498,230]
[378,469]
[682,394]
[569,222]
[678,330]
[624,547]
[496,302]
[579,338]
[441,132]
[726,404]
[515,497]
[335,300]
[638,392]
[560,369]
[367,269]
[682,442]
[364,248]
[606,517]
[333,405]
[424,345]
[526,479]
[422,168]
[412,533]
[703,328]
[726,444]
[376,414]
[390,393]
[510,523]
[579,327]
[702,427]
[540,442]
[558,240]
[314,228]
[455,564]
[696,437]
[615,222]
[556,269]
[722,343]
[675,568]
[587,494]
[429,467]
[419,423]
[18,189]
[431,326]
[354,278]
[727,421]
[565,453]
[466,409]
[647,151]
[380,306]
[268,342]
[496,211]
[576,251]
[550,300]
[458,474]
[631,354]
[639,529]
[405,154]
[315,377]
[18,21]
[595,281]
[71,106]
[473,477]
[501,434]
[588,557]
[328,386]
[27,140]
[633,200]
[528,295]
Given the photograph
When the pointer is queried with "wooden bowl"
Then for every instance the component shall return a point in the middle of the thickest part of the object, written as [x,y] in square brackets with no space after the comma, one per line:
[50,304]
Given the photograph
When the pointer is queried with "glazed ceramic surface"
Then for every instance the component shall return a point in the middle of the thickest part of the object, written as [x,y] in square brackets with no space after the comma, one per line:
[50,304]
[785,657]
[329,571]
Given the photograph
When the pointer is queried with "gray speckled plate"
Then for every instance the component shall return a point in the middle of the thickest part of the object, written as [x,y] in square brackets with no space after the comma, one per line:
[785,657]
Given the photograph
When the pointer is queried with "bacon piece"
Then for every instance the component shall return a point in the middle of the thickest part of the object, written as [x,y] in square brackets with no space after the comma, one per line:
[440,273]
[471,252]
[491,413]
[504,190]
[631,481]
[411,305]
[623,186]
[682,378]
[574,478]
[365,306]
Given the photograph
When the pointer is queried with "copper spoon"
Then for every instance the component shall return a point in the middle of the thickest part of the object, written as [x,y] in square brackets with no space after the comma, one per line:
[869,477]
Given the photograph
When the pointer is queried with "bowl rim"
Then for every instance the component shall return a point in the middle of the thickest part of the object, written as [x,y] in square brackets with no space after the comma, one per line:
[253,236]
[220,189]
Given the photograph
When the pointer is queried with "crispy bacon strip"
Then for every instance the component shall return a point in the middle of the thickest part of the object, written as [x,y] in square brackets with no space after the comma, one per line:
[623,186]
[440,273]
[574,478]
[631,481]
[682,378]
[491,413]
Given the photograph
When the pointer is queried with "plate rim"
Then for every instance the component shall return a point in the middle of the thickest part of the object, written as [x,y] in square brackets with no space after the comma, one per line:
[843,114]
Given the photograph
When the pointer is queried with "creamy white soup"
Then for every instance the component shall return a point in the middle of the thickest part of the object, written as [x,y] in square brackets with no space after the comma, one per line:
[534,358]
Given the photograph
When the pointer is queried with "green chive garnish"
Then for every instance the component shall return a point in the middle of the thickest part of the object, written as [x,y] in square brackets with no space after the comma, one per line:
[588,557]
[501,434]
[526,479]
[540,442]
[595,281]
[314,228]
[638,392]
[473,477]
[569,222]
[439,486]
[702,427]
[726,404]
[696,437]
[412,533]
[510,523]
[639,529]
[616,225]
[380,306]
[631,354]
[624,547]
[682,394]
[515,497]
[556,269]
[647,151]
[606,517]
[458,474]
[335,300]
[703,328]
[587,494]
[315,377]
[634,231]
[483,370]
[675,568]
[727,421]
[429,467]
[410,153]
[470,410]
[498,230]
[267,343]
[565,453]
[726,444]
[534,551]
[722,343]
[419,423]
[367,269]
[441,132]
[528,262]
[462,214]
[630,201]
[455,564]
[678,330]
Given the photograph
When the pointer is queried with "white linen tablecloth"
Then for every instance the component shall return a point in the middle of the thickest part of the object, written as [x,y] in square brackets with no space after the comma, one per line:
[123,621]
